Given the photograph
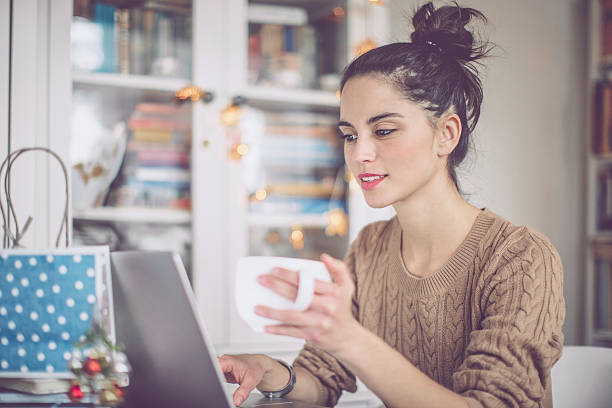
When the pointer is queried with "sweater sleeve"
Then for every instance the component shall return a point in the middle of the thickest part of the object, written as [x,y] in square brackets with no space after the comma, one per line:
[332,375]
[509,357]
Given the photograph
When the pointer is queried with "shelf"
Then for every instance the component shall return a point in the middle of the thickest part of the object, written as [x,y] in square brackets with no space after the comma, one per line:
[276,95]
[601,238]
[135,215]
[280,221]
[130,81]
[602,335]
[602,157]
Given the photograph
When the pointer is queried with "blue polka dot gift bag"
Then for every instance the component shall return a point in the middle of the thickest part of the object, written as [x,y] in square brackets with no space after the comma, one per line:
[48,302]
[50,298]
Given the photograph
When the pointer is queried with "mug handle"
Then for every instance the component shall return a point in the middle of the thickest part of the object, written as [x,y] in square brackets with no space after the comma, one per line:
[306,288]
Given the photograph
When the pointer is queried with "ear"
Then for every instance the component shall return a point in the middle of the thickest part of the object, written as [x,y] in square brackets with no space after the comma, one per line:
[449,133]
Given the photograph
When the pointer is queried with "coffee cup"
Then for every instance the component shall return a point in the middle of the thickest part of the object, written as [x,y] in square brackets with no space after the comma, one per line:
[249,293]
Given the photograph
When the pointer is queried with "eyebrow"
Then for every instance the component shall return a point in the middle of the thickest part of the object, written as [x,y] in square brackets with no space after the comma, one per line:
[375,118]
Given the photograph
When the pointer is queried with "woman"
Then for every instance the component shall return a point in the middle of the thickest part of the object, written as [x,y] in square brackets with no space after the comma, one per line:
[445,305]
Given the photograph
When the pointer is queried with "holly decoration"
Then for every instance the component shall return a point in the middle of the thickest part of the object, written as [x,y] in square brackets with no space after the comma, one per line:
[100,368]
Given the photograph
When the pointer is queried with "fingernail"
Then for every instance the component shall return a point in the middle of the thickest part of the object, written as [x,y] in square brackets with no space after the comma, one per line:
[263,279]
[258,310]
[275,271]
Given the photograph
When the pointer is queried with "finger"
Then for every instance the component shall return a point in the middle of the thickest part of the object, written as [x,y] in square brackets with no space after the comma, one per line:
[324,305]
[337,269]
[291,331]
[294,317]
[227,363]
[279,286]
[242,393]
[326,288]
[286,275]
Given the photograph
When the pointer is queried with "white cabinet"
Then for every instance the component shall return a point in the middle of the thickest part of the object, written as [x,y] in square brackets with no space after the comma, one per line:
[283,58]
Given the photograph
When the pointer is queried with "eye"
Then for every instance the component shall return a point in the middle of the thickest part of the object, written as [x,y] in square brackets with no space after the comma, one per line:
[384,132]
[349,137]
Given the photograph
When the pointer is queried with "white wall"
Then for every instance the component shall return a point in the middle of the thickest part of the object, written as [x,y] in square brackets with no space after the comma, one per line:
[529,144]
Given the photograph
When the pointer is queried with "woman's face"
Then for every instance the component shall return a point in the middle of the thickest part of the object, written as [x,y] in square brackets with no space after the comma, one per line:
[389,143]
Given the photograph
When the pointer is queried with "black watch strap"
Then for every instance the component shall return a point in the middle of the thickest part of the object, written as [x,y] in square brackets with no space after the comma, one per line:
[287,388]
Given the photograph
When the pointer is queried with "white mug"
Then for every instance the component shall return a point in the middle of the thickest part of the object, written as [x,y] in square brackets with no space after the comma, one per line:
[249,293]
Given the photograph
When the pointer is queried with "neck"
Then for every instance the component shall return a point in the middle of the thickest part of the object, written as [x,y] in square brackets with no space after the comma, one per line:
[435,221]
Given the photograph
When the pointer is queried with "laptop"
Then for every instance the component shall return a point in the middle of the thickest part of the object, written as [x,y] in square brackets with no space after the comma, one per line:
[157,322]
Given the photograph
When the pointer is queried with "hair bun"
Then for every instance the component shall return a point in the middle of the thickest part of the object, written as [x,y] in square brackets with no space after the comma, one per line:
[445,28]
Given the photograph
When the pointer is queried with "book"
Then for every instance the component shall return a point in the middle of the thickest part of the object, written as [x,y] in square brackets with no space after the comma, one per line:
[104,15]
[36,385]
[122,38]
[157,123]
[317,190]
[292,205]
[602,118]
[153,135]
[606,31]
[148,157]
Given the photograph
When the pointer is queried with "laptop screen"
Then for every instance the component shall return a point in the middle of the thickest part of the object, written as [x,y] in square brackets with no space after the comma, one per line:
[173,364]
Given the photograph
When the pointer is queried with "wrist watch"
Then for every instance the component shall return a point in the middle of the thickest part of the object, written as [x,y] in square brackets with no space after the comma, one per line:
[287,388]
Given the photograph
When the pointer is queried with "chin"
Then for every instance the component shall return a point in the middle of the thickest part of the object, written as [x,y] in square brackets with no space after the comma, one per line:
[376,202]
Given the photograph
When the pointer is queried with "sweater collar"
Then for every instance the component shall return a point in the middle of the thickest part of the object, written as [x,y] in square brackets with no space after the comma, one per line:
[447,274]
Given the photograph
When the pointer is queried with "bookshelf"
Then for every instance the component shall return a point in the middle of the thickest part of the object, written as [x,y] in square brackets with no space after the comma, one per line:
[598,267]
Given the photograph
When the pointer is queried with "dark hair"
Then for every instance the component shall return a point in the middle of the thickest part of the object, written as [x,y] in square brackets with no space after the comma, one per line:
[437,70]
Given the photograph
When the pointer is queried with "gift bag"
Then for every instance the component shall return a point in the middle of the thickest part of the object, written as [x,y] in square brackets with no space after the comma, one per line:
[49,298]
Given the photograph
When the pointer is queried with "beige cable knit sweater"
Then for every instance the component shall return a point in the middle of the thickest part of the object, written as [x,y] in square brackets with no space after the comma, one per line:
[486,325]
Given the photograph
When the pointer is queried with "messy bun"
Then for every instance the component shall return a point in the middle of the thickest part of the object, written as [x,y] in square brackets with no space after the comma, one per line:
[437,70]
[445,28]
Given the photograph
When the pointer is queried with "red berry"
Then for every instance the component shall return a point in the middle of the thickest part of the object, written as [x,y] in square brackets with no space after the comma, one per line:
[92,366]
[75,393]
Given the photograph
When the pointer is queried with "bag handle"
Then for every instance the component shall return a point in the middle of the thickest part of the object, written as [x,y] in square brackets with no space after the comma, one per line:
[13,240]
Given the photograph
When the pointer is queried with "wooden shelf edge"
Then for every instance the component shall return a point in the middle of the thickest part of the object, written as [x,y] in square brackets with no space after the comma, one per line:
[144,82]
[134,215]
[310,97]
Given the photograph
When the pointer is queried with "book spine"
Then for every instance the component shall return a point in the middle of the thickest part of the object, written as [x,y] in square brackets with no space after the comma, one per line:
[606,124]
[607,299]
[157,124]
[122,36]
[104,15]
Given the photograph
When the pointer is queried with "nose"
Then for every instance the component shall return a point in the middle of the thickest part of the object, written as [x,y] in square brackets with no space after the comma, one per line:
[362,150]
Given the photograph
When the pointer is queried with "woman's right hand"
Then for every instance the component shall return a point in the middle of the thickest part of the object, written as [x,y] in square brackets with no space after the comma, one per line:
[245,369]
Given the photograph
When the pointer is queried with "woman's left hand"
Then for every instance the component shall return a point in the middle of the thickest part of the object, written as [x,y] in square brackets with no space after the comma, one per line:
[328,323]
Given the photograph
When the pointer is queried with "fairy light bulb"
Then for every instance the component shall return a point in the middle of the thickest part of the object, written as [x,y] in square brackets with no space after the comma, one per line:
[297,238]
[230,116]
[337,223]
[365,46]
[261,194]
[239,150]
